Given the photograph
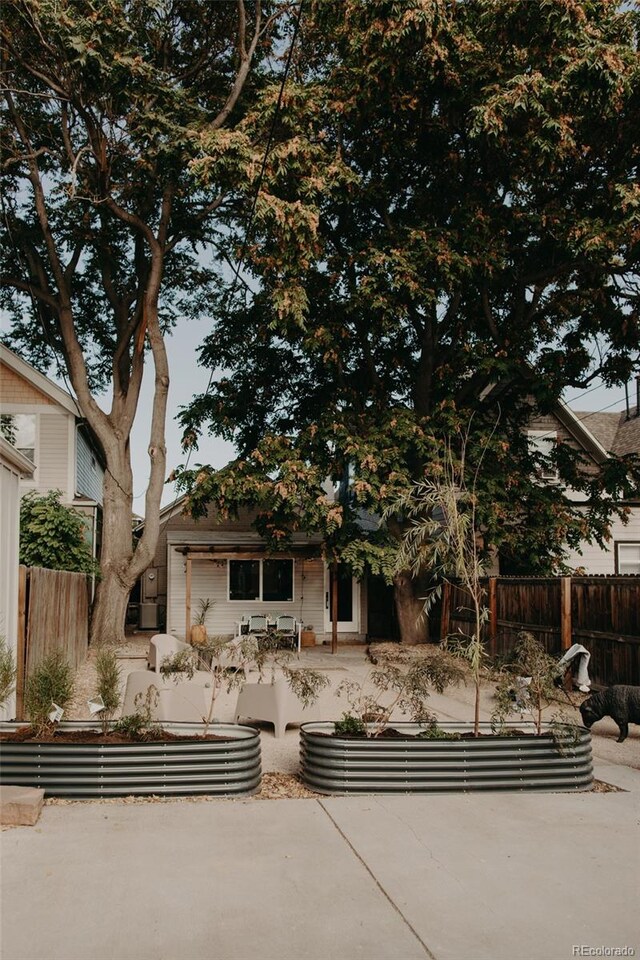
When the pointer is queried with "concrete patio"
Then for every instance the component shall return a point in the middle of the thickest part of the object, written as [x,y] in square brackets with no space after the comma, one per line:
[456,877]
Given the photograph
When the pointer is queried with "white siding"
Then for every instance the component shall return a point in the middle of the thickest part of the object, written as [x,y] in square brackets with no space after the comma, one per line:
[209,579]
[53,455]
[593,559]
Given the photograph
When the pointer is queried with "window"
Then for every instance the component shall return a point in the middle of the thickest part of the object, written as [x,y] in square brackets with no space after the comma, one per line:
[628,557]
[261,580]
[542,444]
[20,430]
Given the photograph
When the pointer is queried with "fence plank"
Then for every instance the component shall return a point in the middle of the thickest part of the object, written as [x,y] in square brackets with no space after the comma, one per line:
[57,616]
[602,612]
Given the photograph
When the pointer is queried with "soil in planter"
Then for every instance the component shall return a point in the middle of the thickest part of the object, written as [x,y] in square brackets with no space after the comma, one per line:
[28,735]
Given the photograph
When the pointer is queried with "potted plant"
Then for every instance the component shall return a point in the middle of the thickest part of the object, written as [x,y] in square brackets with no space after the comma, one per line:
[198,629]
[308,636]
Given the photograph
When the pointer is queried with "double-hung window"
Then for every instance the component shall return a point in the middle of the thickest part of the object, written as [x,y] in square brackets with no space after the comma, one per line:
[627,557]
[266,580]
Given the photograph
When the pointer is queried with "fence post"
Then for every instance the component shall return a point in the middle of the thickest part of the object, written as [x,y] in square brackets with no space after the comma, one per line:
[21,646]
[565,613]
[445,613]
[493,615]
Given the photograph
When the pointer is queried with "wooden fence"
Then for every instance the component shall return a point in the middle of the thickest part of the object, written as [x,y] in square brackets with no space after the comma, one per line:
[53,614]
[602,613]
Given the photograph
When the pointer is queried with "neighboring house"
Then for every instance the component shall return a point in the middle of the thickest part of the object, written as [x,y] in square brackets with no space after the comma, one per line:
[44,424]
[14,469]
[597,435]
[226,561]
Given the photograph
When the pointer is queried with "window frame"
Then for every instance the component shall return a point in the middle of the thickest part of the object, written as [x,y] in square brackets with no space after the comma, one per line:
[625,543]
[549,473]
[259,598]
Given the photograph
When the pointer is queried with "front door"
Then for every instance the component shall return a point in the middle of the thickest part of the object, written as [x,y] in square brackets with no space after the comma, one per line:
[348,601]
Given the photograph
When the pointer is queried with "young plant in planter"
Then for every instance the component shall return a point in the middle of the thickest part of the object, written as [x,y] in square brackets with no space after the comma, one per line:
[443,537]
[107,687]
[527,684]
[7,671]
[51,682]
[402,679]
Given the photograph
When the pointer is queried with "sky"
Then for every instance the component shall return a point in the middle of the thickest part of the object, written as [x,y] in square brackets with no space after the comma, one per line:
[188,379]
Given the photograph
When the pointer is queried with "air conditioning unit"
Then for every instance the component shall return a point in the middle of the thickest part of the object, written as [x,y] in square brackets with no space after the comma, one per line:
[148,616]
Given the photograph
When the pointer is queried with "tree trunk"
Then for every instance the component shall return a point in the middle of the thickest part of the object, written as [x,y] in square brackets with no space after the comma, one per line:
[116,580]
[411,620]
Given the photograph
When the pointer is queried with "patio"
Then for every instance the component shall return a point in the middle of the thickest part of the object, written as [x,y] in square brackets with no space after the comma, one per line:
[350,662]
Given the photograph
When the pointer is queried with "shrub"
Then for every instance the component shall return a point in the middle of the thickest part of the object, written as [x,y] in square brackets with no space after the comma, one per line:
[140,725]
[7,671]
[107,684]
[526,683]
[51,682]
[402,678]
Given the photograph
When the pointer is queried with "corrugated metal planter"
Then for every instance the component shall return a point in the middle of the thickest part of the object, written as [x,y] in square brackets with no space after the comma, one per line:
[229,767]
[346,765]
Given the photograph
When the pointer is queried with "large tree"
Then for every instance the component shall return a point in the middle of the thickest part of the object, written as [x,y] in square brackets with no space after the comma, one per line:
[106,106]
[476,253]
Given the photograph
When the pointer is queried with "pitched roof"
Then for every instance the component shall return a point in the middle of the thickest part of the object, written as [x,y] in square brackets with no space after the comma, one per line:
[614,431]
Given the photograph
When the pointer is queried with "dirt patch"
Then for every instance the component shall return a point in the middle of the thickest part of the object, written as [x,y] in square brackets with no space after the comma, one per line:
[28,735]
[599,786]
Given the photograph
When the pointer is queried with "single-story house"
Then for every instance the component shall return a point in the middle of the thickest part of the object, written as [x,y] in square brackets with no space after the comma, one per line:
[225,561]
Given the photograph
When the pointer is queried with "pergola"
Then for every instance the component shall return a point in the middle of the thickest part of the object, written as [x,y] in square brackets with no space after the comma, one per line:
[198,551]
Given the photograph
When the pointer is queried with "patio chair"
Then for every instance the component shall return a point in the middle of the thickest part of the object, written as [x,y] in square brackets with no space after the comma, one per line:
[181,701]
[163,645]
[273,703]
[258,623]
[288,628]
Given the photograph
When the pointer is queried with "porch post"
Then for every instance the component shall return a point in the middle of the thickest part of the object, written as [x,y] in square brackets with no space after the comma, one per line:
[334,606]
[565,613]
[187,633]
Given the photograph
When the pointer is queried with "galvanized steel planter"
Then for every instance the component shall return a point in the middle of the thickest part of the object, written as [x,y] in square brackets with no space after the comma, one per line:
[346,765]
[164,768]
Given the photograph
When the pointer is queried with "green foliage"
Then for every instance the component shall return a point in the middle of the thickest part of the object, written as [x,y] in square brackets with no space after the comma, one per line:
[433,732]
[7,671]
[526,683]
[53,535]
[140,725]
[107,684]
[179,665]
[204,603]
[350,726]
[469,254]
[51,682]
[402,678]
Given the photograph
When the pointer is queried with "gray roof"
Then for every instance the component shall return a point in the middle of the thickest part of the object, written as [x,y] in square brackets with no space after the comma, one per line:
[614,431]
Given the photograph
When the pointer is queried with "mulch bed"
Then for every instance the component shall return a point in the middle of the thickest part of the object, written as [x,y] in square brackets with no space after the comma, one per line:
[28,735]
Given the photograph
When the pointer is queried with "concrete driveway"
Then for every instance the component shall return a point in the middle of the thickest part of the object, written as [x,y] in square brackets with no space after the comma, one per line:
[457,877]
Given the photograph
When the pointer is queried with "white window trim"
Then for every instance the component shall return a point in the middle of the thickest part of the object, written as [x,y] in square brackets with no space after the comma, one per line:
[549,472]
[625,543]
[259,599]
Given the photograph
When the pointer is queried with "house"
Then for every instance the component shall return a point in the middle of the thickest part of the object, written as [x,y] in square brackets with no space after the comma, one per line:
[14,469]
[43,422]
[225,561]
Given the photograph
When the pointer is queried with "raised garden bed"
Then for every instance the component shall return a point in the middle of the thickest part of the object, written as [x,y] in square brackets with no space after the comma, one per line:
[186,764]
[405,763]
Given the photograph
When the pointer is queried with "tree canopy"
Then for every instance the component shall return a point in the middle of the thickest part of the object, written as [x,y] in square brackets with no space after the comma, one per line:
[107,106]
[474,252]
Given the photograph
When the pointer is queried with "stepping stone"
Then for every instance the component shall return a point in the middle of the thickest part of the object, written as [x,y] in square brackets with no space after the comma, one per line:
[20,806]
